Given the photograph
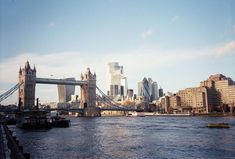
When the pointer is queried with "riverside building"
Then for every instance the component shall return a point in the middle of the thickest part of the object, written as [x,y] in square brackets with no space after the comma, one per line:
[223,89]
[217,93]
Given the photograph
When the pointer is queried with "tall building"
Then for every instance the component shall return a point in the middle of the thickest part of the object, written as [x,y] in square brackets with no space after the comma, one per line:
[148,89]
[160,92]
[130,94]
[118,82]
[27,81]
[196,98]
[66,91]
[224,88]
[153,87]
[213,94]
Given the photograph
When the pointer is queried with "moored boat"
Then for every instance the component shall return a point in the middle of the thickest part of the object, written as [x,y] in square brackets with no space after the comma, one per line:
[218,125]
[33,119]
[135,114]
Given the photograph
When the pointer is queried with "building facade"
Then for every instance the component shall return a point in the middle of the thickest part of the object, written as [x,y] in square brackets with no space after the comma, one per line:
[118,82]
[148,89]
[223,89]
[196,98]
[66,91]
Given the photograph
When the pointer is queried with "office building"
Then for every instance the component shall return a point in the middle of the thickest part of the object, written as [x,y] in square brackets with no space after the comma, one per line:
[160,92]
[118,82]
[130,94]
[223,89]
[66,91]
[195,98]
[214,94]
[148,89]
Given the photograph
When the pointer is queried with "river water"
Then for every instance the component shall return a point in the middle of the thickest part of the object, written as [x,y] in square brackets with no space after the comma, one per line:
[133,137]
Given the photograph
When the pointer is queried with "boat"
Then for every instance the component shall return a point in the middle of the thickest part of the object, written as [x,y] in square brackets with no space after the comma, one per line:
[33,119]
[60,122]
[135,114]
[10,119]
[218,125]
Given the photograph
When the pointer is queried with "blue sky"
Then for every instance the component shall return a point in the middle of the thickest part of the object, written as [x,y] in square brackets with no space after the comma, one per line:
[177,43]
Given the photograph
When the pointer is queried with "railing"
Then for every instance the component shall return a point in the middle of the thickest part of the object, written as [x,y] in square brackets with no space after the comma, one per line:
[13,145]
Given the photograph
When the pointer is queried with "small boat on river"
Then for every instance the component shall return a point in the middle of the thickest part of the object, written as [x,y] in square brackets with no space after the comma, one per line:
[135,114]
[218,125]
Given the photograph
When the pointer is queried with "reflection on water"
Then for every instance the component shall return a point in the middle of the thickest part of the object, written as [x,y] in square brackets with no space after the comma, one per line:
[125,137]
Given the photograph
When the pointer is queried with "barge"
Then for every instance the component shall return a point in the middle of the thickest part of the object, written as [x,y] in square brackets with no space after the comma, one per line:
[33,119]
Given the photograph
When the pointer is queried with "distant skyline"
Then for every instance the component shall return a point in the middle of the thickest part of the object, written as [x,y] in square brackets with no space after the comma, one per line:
[177,43]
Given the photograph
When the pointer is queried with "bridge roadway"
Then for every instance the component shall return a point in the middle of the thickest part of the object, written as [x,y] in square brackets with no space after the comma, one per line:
[59,81]
[72,110]
[81,110]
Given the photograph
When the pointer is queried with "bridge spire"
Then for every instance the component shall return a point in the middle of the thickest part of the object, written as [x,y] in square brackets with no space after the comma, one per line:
[20,71]
[82,77]
[34,69]
[27,66]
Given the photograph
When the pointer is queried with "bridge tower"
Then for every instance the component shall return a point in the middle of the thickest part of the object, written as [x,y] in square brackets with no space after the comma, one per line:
[27,83]
[88,94]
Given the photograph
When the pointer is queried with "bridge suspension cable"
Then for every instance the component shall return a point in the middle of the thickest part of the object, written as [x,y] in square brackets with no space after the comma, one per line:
[109,101]
[9,92]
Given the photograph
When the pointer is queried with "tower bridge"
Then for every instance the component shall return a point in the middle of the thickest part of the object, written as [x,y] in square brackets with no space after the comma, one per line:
[27,84]
[27,76]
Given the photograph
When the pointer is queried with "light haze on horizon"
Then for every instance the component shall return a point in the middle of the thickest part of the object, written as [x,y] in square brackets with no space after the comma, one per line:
[177,43]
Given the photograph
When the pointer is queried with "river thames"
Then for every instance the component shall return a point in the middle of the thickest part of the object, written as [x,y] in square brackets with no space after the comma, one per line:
[133,137]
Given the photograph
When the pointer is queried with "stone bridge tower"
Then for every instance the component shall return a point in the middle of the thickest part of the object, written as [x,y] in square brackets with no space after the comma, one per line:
[88,94]
[27,83]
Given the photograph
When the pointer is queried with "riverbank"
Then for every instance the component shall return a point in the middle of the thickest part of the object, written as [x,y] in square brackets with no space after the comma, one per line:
[9,143]
[215,114]
[123,113]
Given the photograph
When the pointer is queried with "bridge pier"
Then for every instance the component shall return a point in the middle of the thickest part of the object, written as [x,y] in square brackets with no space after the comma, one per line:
[92,112]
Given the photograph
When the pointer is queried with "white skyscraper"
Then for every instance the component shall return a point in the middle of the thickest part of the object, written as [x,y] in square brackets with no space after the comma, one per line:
[118,82]
[65,91]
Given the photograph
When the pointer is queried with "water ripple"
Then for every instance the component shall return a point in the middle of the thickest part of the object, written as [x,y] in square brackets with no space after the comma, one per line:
[121,137]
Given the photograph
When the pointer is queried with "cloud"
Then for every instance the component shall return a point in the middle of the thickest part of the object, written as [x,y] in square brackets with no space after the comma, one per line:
[72,64]
[175,18]
[226,48]
[147,33]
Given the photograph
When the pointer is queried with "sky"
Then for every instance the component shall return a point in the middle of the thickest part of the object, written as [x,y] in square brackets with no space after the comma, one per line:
[177,43]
